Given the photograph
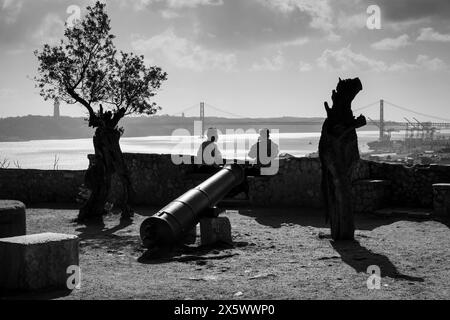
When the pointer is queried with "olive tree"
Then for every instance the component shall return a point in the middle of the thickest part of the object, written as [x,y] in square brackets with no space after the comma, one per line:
[85,68]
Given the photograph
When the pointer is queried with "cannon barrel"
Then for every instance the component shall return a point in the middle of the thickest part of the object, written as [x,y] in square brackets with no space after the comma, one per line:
[182,214]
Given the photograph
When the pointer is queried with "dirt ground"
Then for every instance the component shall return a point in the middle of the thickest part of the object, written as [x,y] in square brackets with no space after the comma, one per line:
[278,254]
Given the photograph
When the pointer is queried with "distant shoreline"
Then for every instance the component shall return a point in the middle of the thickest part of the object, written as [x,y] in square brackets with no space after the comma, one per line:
[31,128]
[126,136]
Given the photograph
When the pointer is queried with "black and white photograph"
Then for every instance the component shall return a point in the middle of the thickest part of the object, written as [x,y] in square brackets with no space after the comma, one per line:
[224,156]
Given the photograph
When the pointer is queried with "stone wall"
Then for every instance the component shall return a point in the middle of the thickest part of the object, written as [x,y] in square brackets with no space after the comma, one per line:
[38,186]
[157,181]
[296,184]
[410,186]
[370,195]
[441,199]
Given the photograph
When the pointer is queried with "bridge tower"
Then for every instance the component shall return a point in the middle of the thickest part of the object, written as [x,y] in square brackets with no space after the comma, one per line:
[202,118]
[382,127]
[56,113]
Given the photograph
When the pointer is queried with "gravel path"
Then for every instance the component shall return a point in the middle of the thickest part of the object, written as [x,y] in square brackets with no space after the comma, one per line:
[278,254]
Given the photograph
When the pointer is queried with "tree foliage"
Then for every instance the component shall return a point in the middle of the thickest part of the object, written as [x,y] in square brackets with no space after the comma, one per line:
[86,68]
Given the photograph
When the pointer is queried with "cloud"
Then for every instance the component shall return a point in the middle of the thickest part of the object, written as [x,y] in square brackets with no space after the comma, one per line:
[346,60]
[178,4]
[6,93]
[183,53]
[10,10]
[36,22]
[404,10]
[295,43]
[431,64]
[275,63]
[319,10]
[304,66]
[250,24]
[354,22]
[50,30]
[169,14]
[392,43]
[170,4]
[428,34]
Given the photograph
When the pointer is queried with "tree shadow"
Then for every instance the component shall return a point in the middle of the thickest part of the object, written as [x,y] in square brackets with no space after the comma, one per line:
[96,229]
[279,217]
[360,258]
[444,221]
[186,254]
[54,206]
[94,234]
[45,294]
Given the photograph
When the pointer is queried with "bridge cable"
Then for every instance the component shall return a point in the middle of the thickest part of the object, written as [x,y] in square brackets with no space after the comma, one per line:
[185,109]
[226,112]
[367,106]
[417,113]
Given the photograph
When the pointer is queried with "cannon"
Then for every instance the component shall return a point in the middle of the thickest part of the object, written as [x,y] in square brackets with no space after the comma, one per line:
[181,215]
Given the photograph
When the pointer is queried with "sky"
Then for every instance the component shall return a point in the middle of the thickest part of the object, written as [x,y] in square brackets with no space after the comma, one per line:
[253,58]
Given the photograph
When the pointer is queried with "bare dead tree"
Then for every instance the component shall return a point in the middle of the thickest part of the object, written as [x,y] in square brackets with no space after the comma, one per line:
[339,153]
[4,163]
[17,164]
[55,163]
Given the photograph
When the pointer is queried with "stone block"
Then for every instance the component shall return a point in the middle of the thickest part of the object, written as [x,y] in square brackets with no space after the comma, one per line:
[190,237]
[441,199]
[37,261]
[369,196]
[214,230]
[12,218]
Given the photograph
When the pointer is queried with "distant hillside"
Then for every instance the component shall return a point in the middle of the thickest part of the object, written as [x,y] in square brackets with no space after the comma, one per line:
[45,128]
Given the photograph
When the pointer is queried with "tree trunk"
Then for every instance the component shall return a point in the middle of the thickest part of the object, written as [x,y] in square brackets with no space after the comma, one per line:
[108,160]
[339,153]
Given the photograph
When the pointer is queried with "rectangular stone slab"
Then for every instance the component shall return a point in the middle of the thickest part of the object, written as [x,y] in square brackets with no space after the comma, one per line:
[214,230]
[12,218]
[37,261]
[441,199]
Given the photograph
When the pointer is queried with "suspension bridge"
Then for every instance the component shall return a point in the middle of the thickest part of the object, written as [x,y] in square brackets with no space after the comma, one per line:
[415,128]
[412,127]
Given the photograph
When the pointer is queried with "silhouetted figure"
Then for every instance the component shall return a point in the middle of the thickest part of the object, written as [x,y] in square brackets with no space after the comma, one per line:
[209,153]
[265,150]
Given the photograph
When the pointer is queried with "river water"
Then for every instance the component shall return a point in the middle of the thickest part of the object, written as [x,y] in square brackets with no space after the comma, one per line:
[72,154]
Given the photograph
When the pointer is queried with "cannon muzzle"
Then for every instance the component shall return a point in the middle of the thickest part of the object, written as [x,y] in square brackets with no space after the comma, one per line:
[182,214]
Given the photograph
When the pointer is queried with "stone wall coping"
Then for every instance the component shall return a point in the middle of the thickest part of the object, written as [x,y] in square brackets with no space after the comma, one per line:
[446,166]
[7,205]
[371,181]
[441,186]
[40,238]
[262,177]
[42,170]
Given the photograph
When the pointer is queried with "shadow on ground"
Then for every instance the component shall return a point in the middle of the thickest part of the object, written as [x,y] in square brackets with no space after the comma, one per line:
[279,217]
[360,258]
[54,206]
[444,221]
[185,253]
[48,294]
[95,234]
[96,229]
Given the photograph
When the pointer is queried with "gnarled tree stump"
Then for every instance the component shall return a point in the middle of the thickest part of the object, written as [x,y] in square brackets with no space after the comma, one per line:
[108,161]
[339,153]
